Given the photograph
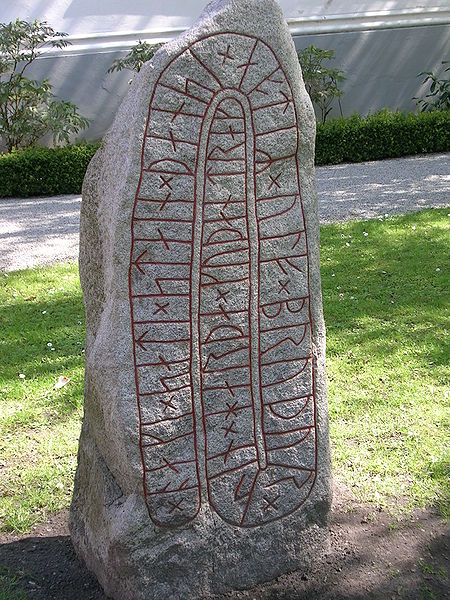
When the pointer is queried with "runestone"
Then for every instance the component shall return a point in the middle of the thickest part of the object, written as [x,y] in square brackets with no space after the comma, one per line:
[204,463]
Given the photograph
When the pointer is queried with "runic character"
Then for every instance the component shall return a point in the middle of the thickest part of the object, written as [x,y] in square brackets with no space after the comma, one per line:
[231,410]
[222,295]
[178,112]
[168,404]
[274,181]
[229,429]
[175,506]
[283,286]
[165,182]
[226,55]
[271,503]
[161,308]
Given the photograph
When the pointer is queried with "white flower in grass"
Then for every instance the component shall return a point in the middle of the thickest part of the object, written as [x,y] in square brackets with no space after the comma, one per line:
[21,376]
[413,227]
[44,312]
[49,344]
[333,275]
[347,244]
[365,234]
[341,295]
[438,270]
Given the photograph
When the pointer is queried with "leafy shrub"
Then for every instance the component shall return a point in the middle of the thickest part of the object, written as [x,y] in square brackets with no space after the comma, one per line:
[42,171]
[136,57]
[382,135]
[49,171]
[321,82]
[28,108]
[438,97]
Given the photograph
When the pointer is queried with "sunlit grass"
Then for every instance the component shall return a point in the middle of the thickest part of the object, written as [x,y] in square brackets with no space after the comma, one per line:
[42,325]
[386,301]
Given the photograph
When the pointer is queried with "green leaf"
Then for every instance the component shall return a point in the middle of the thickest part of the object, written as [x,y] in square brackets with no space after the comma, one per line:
[25,104]
[321,82]
[136,57]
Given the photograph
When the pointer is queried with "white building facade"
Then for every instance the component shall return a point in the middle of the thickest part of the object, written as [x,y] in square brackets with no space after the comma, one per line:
[380,45]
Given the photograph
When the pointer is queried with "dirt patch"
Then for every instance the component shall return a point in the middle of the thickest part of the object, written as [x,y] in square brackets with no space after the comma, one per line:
[371,557]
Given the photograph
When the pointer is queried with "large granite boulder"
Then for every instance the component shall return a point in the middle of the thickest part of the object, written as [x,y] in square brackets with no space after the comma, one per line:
[204,460]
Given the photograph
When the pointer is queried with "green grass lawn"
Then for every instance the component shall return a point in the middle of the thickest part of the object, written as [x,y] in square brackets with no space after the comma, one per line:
[386,293]
[42,325]
[386,302]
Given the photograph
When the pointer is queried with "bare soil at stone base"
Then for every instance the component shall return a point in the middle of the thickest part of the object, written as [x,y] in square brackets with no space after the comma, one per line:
[372,556]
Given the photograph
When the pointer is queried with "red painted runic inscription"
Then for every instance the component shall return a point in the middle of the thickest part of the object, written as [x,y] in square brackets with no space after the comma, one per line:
[219,291]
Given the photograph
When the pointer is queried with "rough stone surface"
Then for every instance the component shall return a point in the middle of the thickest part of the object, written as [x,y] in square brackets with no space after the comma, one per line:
[204,460]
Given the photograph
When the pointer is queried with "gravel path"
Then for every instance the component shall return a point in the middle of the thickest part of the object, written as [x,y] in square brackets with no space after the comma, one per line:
[366,190]
[38,231]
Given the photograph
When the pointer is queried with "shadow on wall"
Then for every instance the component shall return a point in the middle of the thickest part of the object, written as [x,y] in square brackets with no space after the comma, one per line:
[381,67]
[82,8]
[137,15]
[83,79]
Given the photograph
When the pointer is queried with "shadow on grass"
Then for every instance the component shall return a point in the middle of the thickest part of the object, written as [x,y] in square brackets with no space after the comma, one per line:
[47,567]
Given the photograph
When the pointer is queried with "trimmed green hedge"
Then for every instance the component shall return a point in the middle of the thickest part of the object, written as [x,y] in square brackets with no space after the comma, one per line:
[50,171]
[42,171]
[382,135]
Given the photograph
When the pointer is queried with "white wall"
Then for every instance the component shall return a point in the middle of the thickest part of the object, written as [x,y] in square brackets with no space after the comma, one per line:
[381,45]
[81,17]
[108,23]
